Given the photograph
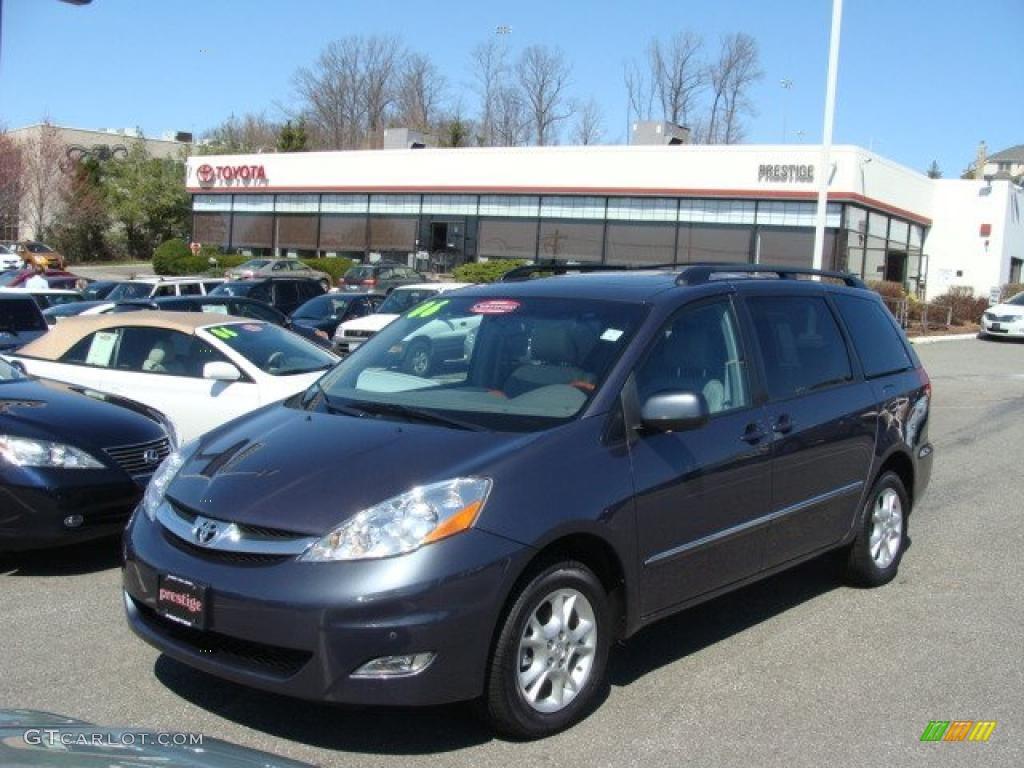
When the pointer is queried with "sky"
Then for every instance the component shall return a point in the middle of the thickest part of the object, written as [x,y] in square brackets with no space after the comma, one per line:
[919,80]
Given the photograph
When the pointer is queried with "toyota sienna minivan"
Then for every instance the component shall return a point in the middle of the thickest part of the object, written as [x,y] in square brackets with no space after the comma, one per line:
[615,447]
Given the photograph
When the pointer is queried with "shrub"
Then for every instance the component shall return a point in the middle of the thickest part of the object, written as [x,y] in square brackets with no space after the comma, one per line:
[167,256]
[174,257]
[967,308]
[334,267]
[485,271]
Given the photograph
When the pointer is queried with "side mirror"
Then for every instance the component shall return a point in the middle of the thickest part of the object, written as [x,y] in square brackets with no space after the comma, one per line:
[674,412]
[221,371]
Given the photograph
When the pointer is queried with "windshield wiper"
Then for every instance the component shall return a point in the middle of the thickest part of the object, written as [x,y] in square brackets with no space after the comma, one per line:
[416,414]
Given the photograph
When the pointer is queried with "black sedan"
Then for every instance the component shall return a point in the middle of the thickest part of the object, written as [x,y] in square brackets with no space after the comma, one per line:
[21,320]
[73,462]
[325,313]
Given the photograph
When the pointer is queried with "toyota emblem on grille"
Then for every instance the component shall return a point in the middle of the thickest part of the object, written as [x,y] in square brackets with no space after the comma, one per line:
[205,531]
[151,456]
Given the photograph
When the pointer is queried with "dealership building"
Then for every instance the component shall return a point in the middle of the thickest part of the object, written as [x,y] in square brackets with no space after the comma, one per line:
[436,208]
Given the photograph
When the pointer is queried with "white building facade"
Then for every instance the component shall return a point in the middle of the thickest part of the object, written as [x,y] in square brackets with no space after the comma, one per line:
[615,204]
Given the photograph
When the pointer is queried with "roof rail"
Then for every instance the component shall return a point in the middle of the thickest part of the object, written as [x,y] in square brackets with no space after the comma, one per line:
[695,274]
[548,269]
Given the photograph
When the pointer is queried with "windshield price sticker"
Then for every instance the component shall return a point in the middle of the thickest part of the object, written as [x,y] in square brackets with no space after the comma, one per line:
[428,308]
[223,333]
[497,307]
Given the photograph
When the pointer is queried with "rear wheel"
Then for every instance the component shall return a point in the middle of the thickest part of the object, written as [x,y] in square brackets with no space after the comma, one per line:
[549,659]
[874,557]
[418,358]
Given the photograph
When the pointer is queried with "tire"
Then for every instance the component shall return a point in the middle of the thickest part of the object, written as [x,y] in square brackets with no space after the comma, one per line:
[418,359]
[874,556]
[573,588]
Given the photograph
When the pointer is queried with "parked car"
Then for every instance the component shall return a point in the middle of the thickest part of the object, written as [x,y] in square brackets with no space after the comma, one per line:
[325,313]
[617,447]
[9,259]
[46,740]
[48,298]
[55,314]
[380,277]
[55,278]
[350,334]
[1004,320]
[237,306]
[31,252]
[73,462]
[21,320]
[278,268]
[201,370]
[283,293]
[155,287]
[99,289]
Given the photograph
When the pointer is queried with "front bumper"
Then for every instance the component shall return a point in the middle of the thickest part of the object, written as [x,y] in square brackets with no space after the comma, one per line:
[33,517]
[1004,329]
[302,629]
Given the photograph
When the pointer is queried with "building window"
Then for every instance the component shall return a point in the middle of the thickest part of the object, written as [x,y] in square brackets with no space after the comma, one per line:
[510,205]
[252,230]
[449,205]
[296,232]
[392,233]
[408,204]
[357,204]
[211,203]
[714,244]
[572,207]
[641,243]
[211,228]
[297,204]
[571,241]
[717,211]
[345,234]
[791,247]
[642,209]
[505,239]
[253,204]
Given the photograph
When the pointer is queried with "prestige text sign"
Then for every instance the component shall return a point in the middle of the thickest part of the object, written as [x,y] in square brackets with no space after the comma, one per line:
[786,174]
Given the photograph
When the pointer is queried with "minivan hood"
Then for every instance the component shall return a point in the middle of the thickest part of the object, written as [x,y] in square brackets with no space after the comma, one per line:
[253,471]
[369,323]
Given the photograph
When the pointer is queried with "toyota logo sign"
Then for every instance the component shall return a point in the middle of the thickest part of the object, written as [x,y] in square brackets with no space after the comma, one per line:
[205,174]
[204,531]
[151,456]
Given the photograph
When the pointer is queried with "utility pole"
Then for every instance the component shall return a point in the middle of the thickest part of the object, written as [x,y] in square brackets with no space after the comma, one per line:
[824,171]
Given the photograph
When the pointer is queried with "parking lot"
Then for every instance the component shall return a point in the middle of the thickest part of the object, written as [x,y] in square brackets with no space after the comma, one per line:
[797,670]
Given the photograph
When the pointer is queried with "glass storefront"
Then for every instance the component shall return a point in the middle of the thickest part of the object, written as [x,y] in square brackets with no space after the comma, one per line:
[585,228]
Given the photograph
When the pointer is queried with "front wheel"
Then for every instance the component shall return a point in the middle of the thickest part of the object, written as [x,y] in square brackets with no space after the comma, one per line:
[874,557]
[418,358]
[549,659]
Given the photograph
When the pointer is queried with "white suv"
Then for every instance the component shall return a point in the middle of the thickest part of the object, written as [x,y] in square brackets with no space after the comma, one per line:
[147,287]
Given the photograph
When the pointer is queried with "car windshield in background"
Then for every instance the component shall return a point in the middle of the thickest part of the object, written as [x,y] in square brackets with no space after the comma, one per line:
[316,308]
[405,298]
[8,372]
[20,316]
[509,365]
[232,289]
[59,299]
[130,291]
[272,349]
[70,310]
[1017,300]
[359,273]
[253,264]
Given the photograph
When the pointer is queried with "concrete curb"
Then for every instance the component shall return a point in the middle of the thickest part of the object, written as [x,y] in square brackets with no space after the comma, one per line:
[950,337]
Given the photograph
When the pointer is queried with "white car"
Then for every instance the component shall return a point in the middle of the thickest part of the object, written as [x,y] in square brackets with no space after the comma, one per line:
[1005,319]
[9,258]
[350,334]
[153,286]
[200,370]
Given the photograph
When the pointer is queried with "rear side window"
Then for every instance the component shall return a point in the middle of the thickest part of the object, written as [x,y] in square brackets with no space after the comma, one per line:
[875,337]
[190,289]
[801,345]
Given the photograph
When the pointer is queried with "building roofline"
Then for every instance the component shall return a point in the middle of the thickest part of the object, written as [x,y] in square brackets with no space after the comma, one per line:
[98,133]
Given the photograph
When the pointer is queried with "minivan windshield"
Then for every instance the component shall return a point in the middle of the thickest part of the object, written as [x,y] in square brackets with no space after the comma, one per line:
[130,291]
[506,364]
[1017,300]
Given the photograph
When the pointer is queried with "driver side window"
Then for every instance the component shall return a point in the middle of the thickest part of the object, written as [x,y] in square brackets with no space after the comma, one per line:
[698,351]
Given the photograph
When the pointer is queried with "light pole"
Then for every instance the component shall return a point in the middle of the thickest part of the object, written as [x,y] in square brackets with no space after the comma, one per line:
[787,85]
[824,171]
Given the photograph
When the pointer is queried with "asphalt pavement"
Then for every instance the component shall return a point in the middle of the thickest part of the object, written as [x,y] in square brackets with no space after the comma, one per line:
[798,670]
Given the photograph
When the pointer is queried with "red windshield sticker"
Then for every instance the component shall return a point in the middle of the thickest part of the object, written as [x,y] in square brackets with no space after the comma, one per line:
[499,307]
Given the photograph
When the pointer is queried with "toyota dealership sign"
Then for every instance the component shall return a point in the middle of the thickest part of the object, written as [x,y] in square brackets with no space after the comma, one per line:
[231,175]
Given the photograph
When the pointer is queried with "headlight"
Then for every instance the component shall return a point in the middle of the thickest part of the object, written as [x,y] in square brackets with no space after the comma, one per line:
[405,523]
[162,478]
[26,452]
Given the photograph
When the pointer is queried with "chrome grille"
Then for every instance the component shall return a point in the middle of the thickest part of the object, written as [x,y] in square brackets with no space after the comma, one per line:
[359,334]
[133,458]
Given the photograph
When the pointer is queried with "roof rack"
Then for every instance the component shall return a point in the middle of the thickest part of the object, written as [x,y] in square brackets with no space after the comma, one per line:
[695,274]
[527,271]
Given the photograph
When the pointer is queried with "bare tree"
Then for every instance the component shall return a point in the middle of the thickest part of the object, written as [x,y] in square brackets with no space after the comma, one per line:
[639,92]
[10,181]
[489,63]
[731,77]
[252,132]
[678,75]
[589,127]
[511,126]
[543,75]
[42,181]
[420,93]
[381,60]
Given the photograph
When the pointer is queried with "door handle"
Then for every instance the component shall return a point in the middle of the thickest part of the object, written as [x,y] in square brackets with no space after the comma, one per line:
[753,434]
[783,425]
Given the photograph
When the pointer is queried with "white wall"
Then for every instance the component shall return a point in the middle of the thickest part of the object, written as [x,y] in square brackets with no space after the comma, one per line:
[954,243]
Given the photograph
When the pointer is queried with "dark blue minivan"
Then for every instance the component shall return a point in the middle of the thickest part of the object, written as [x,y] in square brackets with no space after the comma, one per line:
[612,448]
